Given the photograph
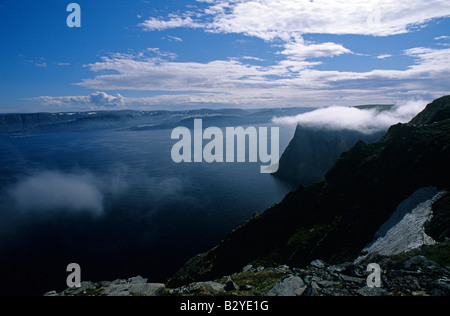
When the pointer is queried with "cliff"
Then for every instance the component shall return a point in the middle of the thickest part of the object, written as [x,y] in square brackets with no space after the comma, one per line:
[313,151]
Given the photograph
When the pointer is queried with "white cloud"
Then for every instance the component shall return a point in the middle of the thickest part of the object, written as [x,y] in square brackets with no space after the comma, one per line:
[155,24]
[433,64]
[290,79]
[295,80]
[380,18]
[233,82]
[156,51]
[96,100]
[283,18]
[352,118]
[173,39]
[288,21]
[384,56]
[55,191]
[156,74]
[442,38]
[251,58]
[301,50]
[102,99]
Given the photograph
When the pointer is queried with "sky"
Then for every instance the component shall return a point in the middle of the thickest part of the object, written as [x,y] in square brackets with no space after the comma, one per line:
[172,54]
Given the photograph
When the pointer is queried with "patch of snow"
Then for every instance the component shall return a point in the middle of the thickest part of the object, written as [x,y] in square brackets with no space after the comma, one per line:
[405,230]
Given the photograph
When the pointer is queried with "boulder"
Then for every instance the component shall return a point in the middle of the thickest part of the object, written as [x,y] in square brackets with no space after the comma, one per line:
[290,286]
[200,289]
[319,264]
[230,285]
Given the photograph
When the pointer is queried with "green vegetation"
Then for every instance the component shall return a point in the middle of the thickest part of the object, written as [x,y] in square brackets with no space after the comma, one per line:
[259,281]
[439,253]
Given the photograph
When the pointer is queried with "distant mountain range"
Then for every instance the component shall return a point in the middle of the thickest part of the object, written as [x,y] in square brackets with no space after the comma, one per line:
[135,120]
[335,218]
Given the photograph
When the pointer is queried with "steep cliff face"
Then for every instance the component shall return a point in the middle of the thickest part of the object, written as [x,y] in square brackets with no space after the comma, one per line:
[314,150]
[335,218]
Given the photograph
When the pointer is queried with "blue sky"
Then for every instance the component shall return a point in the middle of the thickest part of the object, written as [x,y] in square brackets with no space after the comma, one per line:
[167,54]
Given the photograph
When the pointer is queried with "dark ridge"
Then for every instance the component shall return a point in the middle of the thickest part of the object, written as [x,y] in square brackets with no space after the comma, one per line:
[435,112]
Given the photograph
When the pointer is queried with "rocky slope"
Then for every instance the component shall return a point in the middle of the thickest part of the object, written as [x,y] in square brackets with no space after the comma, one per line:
[335,218]
[422,272]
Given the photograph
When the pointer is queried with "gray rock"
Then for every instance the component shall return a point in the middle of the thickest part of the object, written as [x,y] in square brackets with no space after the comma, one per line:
[133,286]
[290,286]
[201,288]
[420,262]
[84,288]
[351,279]
[327,283]
[441,288]
[146,289]
[246,287]
[308,278]
[319,264]
[335,292]
[230,285]
[313,289]
[104,284]
[415,262]
[117,290]
[335,268]
[396,273]
[282,268]
[137,280]
[117,282]
[375,291]
[247,268]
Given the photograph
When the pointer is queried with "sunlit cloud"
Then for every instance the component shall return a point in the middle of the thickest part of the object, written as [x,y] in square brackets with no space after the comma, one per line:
[352,118]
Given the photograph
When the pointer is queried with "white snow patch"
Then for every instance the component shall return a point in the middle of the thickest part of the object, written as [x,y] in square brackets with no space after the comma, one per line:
[405,230]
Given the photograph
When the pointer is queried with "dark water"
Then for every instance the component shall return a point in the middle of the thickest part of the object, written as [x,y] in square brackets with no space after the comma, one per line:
[115,203]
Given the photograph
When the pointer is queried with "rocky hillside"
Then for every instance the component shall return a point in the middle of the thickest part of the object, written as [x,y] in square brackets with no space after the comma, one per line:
[335,218]
[423,272]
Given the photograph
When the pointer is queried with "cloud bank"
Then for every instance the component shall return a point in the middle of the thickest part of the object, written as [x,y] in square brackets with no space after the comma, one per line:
[48,192]
[283,18]
[292,81]
[51,191]
[367,121]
